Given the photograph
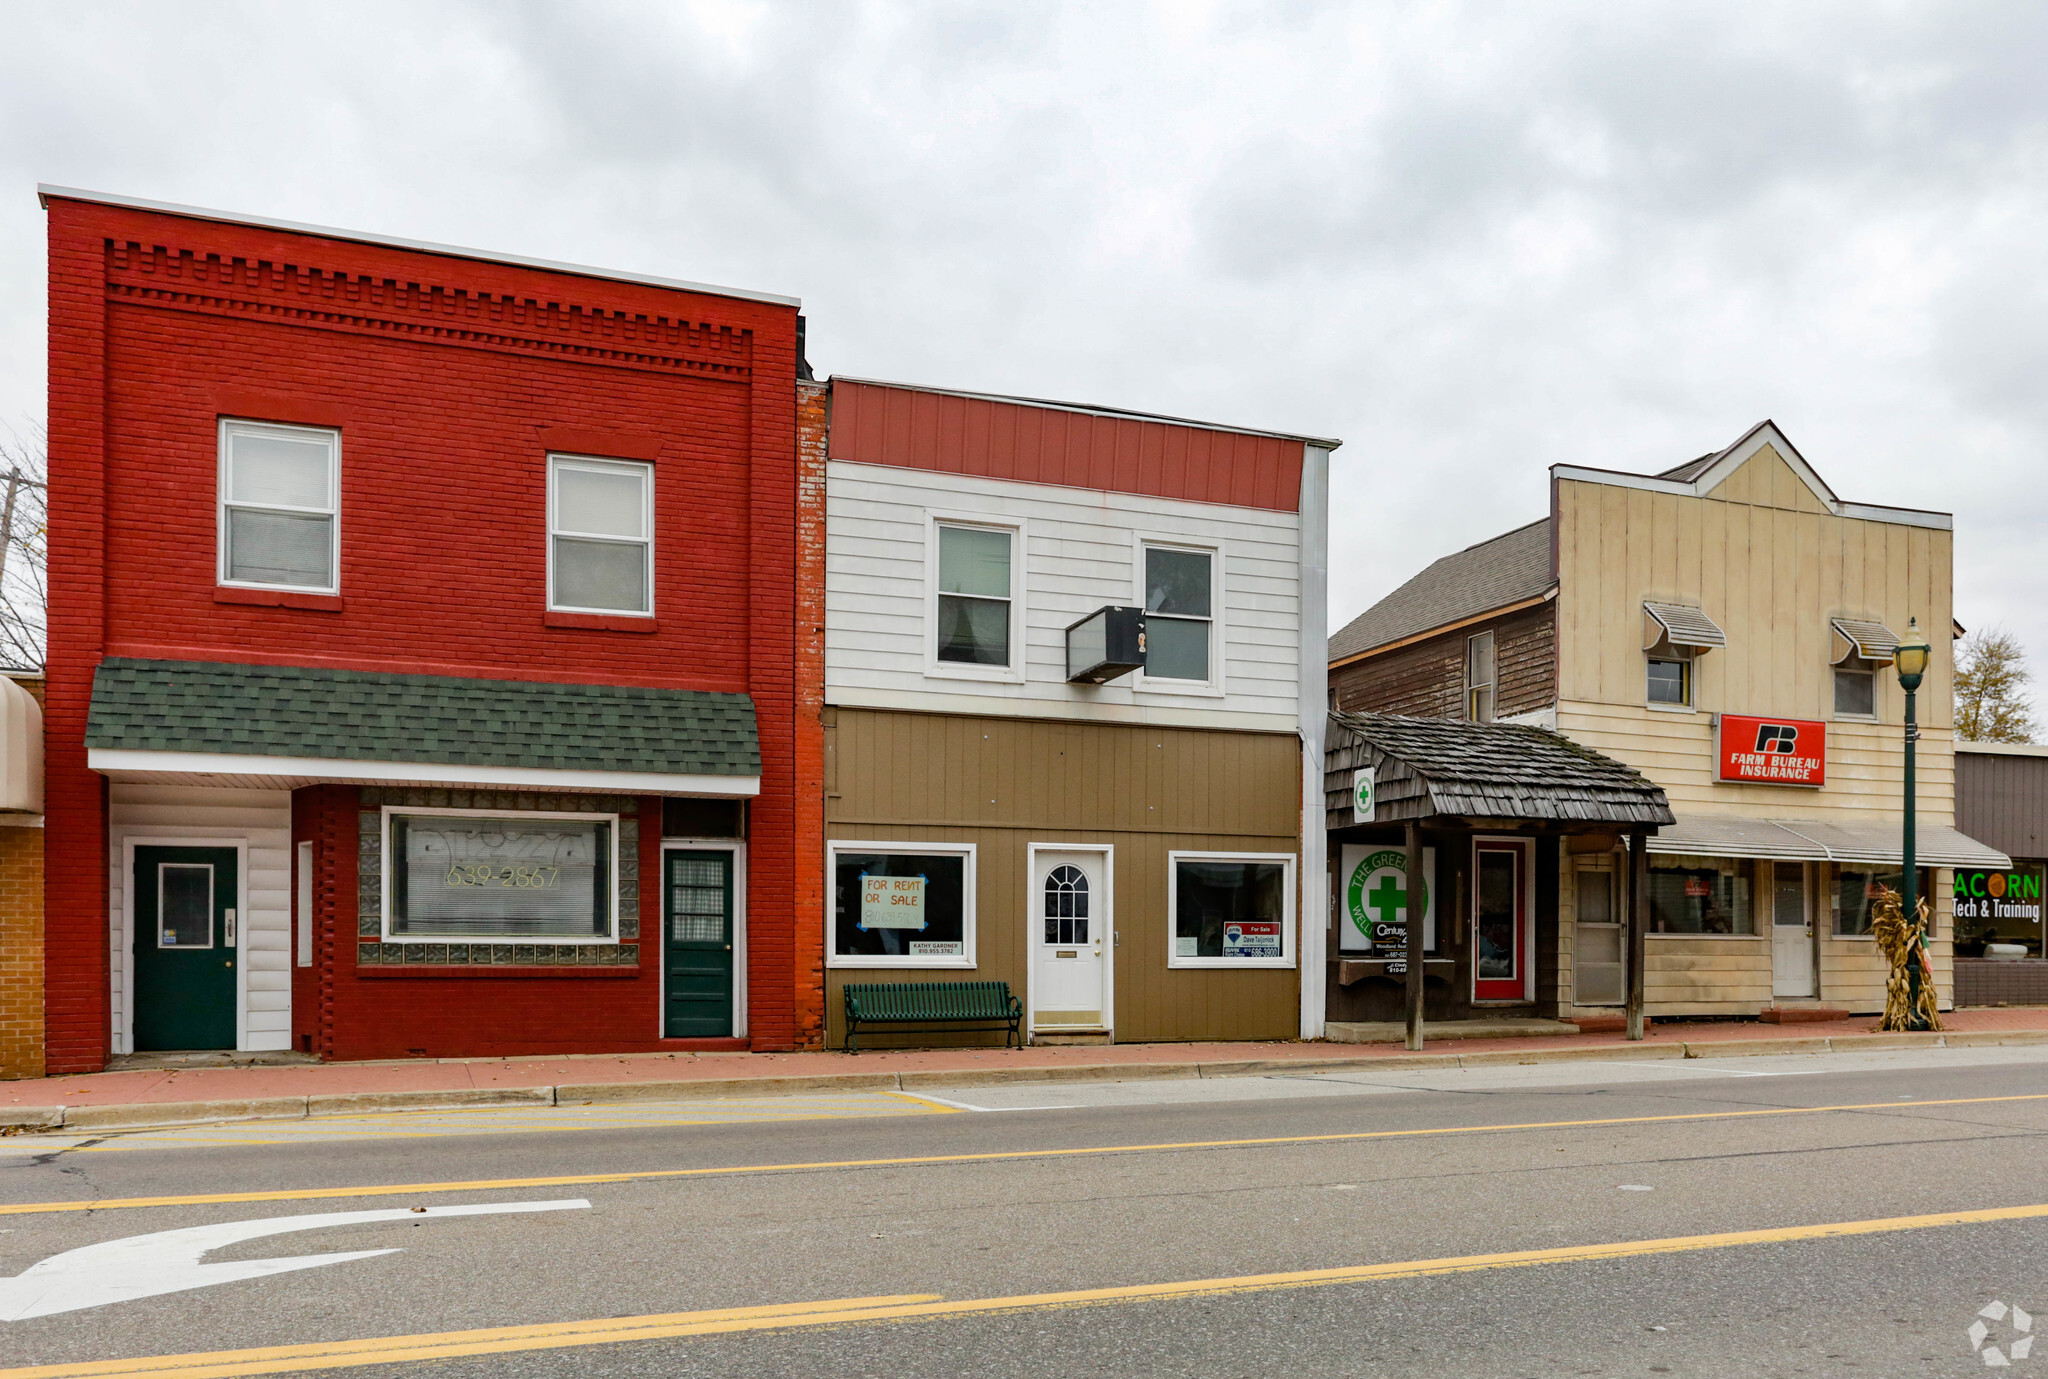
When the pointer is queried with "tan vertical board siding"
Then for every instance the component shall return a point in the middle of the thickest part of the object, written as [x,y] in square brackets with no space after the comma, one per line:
[1005,783]
[1773,565]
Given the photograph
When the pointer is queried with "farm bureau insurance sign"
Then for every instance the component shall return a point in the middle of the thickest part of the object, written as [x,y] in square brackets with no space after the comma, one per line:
[1771,751]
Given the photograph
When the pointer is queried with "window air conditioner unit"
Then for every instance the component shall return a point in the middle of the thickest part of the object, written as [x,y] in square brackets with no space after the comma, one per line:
[1106,644]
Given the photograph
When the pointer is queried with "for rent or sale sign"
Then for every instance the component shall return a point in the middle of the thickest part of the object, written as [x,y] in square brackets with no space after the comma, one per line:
[1771,751]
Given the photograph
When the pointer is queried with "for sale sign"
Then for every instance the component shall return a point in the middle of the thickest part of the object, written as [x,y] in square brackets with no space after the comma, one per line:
[1771,751]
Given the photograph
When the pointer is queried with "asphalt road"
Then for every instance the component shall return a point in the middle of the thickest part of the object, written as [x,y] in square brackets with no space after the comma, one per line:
[1054,1198]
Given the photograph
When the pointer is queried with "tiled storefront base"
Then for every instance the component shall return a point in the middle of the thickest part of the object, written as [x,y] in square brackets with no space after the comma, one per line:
[1994,982]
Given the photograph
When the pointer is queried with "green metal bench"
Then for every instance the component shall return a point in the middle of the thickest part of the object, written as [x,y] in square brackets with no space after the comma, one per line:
[960,1006]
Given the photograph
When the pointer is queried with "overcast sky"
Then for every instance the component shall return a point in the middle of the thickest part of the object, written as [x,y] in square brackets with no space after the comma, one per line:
[1470,240]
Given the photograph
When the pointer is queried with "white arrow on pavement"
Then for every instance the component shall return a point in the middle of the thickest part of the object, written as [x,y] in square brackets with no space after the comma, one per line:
[142,1266]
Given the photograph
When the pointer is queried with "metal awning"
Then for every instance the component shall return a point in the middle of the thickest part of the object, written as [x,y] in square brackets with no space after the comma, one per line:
[1681,625]
[1805,840]
[21,750]
[1872,641]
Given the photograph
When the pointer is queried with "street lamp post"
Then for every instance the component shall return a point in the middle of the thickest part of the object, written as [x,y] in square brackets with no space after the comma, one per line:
[1912,657]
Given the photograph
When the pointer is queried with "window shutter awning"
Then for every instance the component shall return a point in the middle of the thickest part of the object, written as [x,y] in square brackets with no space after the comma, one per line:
[1872,641]
[1681,625]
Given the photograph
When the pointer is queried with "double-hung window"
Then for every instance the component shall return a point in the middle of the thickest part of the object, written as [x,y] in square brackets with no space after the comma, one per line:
[976,592]
[1855,689]
[1179,614]
[280,499]
[1669,680]
[600,535]
[1480,680]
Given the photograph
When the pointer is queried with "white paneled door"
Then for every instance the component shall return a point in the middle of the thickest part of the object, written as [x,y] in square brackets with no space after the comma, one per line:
[1070,934]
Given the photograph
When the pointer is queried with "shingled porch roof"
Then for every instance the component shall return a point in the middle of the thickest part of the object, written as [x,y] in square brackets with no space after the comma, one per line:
[1433,768]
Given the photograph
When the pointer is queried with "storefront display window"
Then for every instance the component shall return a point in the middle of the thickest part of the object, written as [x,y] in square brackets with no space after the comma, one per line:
[1700,895]
[2002,907]
[1231,911]
[531,876]
[902,906]
[1856,895]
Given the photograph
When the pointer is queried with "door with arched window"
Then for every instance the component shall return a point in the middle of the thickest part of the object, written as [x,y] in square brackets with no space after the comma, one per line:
[1071,936]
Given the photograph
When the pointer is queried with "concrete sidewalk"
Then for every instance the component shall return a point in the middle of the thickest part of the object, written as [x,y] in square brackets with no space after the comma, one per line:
[124,1100]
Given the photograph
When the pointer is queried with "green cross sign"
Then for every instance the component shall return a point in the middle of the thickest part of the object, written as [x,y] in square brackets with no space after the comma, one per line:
[1389,898]
[1377,899]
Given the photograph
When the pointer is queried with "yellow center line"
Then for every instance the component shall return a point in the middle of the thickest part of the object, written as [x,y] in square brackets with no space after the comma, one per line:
[913,1161]
[387,1350]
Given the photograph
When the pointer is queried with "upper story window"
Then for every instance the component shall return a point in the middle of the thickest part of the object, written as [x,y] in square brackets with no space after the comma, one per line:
[1480,678]
[600,535]
[1180,616]
[976,592]
[280,500]
[1670,680]
[1861,648]
[1856,690]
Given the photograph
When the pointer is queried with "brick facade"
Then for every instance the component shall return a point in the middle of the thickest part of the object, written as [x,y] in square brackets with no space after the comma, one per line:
[451,379]
[21,938]
[813,419]
[1426,679]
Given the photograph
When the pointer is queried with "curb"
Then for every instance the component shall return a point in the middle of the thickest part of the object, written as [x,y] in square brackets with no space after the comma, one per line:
[166,1114]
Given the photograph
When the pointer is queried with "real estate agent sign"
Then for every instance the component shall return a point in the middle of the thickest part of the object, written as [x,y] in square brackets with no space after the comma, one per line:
[1373,900]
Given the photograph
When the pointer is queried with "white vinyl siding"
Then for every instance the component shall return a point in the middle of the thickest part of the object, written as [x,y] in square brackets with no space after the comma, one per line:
[261,820]
[1080,551]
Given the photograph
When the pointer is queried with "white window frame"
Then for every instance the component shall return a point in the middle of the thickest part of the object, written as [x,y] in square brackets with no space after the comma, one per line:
[557,461]
[1492,686]
[1158,684]
[1856,665]
[230,426]
[968,906]
[1288,918]
[936,669]
[387,872]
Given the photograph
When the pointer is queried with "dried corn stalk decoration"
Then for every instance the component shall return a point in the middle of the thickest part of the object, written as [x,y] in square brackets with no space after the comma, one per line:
[1905,945]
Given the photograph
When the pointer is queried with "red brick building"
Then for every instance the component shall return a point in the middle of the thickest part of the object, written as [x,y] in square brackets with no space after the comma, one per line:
[423,647]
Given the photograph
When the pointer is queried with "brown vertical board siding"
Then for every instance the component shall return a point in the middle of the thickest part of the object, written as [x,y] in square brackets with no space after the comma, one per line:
[2002,801]
[908,777]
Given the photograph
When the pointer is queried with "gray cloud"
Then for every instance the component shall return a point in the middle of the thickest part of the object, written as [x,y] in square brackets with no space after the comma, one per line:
[1473,240]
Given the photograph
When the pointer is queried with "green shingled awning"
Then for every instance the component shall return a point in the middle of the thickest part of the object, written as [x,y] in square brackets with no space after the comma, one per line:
[479,729]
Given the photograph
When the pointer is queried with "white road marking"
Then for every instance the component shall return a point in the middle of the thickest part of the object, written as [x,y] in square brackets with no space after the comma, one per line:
[143,1266]
[970,1106]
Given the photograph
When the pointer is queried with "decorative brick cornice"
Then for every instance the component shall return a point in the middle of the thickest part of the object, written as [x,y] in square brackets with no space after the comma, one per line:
[360,304]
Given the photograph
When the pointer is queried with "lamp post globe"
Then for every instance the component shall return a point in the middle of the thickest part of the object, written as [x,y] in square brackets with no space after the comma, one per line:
[1911,661]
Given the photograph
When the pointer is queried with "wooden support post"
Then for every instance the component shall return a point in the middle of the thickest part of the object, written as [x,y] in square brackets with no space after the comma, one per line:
[1638,925]
[1417,910]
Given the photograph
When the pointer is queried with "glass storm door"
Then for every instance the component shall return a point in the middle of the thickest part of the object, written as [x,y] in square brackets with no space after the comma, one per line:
[1791,931]
[697,944]
[1069,925]
[185,948]
[1499,961]
[1599,969]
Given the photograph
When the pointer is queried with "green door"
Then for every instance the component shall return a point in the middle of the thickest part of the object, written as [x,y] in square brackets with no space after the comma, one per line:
[697,943]
[185,948]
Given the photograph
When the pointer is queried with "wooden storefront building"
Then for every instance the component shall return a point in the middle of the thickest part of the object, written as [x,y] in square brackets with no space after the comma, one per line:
[1725,627]
[2002,799]
[1490,810]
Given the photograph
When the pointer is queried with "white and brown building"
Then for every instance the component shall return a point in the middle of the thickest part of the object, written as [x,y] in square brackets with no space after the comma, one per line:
[1074,707]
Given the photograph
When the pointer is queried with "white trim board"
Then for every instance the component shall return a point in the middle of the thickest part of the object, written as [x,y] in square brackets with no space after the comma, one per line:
[289,773]
[1733,458]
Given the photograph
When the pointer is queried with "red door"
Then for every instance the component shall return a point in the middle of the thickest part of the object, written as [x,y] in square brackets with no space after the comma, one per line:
[1499,946]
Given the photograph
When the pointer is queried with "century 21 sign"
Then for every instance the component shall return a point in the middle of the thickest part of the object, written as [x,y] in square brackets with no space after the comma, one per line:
[1770,751]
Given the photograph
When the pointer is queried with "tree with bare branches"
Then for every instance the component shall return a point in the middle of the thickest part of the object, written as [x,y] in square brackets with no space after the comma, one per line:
[24,548]
[1991,689]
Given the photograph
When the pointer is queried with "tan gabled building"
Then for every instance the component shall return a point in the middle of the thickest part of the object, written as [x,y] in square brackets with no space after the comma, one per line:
[1726,627]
